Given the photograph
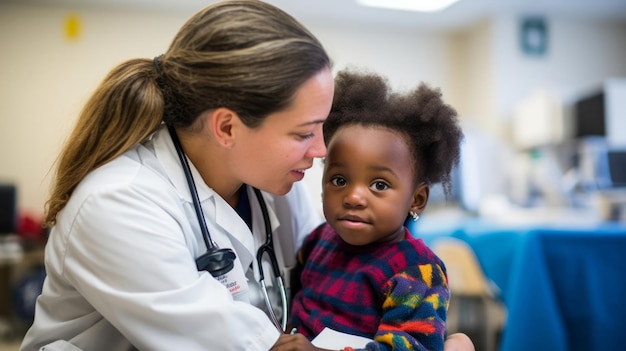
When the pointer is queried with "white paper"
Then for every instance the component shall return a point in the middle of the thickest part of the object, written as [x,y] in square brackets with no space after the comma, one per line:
[334,340]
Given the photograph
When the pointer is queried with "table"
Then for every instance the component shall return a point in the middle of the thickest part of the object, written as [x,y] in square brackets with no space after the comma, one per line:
[564,287]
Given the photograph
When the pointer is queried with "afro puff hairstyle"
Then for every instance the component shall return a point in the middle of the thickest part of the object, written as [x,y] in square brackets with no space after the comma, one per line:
[429,126]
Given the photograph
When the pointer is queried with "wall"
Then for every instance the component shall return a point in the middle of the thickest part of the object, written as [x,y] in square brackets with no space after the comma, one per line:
[46,78]
[405,57]
[472,73]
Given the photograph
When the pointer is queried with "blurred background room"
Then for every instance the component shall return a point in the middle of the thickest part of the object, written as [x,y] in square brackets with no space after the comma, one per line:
[534,231]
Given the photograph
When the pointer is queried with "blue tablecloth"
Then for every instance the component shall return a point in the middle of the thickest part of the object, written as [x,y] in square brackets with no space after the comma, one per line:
[564,288]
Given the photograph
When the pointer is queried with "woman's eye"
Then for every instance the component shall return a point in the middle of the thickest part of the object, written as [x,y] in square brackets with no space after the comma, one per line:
[380,186]
[338,181]
[306,136]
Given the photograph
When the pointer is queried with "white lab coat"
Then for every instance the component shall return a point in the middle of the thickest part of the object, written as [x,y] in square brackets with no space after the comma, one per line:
[121,269]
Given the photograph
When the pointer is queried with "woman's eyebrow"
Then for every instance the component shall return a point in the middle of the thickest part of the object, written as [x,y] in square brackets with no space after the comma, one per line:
[317,121]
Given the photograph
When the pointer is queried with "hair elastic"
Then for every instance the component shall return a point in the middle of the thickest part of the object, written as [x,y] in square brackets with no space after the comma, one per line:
[157,65]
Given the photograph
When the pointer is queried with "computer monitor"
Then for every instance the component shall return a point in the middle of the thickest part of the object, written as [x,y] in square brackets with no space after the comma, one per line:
[8,209]
[602,113]
[589,117]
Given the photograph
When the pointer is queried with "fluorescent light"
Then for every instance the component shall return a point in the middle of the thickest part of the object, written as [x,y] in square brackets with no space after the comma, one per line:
[409,5]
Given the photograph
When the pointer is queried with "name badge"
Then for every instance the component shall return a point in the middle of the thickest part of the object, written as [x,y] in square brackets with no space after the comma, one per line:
[235,281]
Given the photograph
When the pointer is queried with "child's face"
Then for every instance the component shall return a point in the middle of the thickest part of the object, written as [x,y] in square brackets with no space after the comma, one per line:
[368,184]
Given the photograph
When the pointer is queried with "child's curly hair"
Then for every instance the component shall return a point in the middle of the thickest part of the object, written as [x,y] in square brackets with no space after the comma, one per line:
[429,126]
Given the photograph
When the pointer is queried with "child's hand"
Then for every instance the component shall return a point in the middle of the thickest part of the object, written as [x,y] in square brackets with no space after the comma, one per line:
[458,342]
[294,342]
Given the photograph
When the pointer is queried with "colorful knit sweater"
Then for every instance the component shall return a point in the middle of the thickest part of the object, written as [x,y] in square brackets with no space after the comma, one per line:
[395,293]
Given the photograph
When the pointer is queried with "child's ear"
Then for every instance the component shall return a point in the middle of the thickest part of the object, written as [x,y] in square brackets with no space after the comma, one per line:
[420,198]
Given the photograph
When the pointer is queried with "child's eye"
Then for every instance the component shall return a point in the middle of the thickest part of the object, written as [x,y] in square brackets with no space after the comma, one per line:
[380,186]
[338,181]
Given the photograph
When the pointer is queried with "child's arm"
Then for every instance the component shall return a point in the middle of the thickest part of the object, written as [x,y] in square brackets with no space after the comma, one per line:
[414,311]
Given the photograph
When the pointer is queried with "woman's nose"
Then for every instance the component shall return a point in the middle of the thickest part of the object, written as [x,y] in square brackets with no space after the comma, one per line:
[318,148]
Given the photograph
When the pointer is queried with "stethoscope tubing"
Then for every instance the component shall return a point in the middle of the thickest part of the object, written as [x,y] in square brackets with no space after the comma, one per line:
[266,248]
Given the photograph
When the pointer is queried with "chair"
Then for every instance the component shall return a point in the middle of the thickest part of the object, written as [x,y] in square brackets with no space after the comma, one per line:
[475,308]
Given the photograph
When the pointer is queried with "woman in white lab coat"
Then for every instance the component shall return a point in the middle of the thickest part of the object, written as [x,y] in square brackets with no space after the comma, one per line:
[244,88]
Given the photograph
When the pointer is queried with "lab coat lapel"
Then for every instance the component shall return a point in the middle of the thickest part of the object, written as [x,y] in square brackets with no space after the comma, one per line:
[226,219]
[237,230]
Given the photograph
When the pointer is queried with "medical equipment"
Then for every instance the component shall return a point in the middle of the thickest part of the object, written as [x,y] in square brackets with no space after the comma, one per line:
[220,261]
[215,261]
[268,249]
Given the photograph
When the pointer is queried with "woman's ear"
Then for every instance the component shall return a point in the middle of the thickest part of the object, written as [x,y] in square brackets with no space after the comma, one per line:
[223,123]
[420,198]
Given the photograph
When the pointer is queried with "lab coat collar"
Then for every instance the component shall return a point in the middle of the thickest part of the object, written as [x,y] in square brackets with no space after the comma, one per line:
[239,230]
[225,218]
[167,156]
[236,229]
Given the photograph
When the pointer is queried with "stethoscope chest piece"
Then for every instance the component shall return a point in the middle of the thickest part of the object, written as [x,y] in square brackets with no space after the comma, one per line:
[217,262]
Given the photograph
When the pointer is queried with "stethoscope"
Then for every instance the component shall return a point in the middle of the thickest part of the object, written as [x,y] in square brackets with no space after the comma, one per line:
[219,261]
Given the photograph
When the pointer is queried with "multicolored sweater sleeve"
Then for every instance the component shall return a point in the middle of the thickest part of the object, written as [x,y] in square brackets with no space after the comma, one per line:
[414,310]
[396,294]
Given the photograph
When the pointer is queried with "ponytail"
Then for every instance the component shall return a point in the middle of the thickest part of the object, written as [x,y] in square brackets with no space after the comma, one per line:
[219,58]
[123,111]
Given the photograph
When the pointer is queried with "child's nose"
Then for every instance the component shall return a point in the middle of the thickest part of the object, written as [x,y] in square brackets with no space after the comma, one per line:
[355,197]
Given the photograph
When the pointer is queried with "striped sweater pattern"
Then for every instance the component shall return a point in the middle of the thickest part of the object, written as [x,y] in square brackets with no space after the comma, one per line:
[394,293]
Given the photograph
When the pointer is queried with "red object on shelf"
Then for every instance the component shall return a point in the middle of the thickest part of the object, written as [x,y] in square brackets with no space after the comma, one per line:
[30,228]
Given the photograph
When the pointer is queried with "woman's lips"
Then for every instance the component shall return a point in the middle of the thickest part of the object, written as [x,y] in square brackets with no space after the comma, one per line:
[298,174]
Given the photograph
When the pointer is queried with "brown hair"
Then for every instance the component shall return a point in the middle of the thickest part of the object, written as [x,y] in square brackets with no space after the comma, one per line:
[246,55]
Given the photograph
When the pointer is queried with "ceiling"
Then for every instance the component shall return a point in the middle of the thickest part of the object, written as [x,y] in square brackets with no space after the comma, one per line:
[463,13]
